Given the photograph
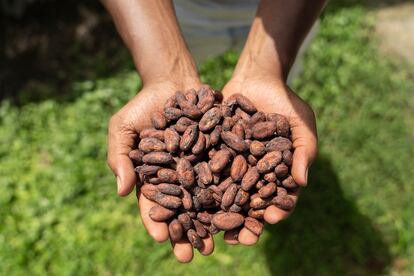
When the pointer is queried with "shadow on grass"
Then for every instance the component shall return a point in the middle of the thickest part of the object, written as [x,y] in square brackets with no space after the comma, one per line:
[326,234]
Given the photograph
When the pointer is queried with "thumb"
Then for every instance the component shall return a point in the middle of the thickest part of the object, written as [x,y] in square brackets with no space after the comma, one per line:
[120,143]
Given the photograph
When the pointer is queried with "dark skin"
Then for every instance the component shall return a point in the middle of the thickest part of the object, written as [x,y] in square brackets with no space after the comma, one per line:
[150,31]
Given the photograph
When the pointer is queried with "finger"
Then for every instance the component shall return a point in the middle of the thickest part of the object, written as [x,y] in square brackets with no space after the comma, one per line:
[120,143]
[208,247]
[157,230]
[274,214]
[183,251]
[305,151]
[246,237]
[232,237]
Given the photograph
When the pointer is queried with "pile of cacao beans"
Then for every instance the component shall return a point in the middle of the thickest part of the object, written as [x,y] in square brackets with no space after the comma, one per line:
[213,166]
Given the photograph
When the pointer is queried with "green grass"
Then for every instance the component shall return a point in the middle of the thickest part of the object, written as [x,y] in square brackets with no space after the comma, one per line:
[60,214]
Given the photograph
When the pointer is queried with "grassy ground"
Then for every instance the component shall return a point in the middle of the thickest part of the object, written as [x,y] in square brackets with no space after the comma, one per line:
[59,213]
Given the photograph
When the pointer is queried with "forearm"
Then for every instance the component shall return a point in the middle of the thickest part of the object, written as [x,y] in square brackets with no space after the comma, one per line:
[275,37]
[150,31]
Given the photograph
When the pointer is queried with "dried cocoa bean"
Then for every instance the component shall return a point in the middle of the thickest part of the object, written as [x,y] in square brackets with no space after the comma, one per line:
[169,189]
[227,221]
[243,115]
[204,217]
[190,110]
[225,184]
[185,221]
[157,158]
[256,213]
[168,201]
[191,96]
[279,144]
[150,144]
[215,135]
[234,141]
[149,191]
[186,199]
[228,124]
[238,168]
[205,176]
[194,239]
[159,213]
[269,161]
[283,202]
[136,156]
[205,197]
[259,203]
[289,183]
[205,99]
[200,144]
[189,138]
[282,124]
[260,184]
[241,197]
[201,231]
[147,169]
[281,171]
[252,160]
[287,157]
[267,190]
[182,124]
[270,177]
[175,230]
[263,130]
[172,113]
[229,195]
[185,173]
[158,120]
[167,175]
[245,104]
[238,129]
[219,160]
[257,148]
[250,179]
[210,119]
[152,133]
[255,226]
[256,118]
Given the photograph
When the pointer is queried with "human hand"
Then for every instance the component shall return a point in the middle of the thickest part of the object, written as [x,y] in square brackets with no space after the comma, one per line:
[271,95]
[124,128]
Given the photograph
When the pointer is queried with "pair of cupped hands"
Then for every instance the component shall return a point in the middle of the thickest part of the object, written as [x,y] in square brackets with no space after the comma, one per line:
[269,95]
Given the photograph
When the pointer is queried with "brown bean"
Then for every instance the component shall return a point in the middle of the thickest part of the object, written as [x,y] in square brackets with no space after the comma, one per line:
[267,190]
[281,171]
[241,197]
[245,104]
[256,118]
[255,226]
[289,183]
[235,208]
[158,120]
[205,197]
[229,195]
[257,148]
[191,96]
[270,177]
[149,191]
[260,184]
[205,176]
[234,141]
[150,144]
[175,230]
[279,144]
[243,115]
[238,168]
[153,133]
[204,217]
[282,124]
[186,199]
[200,144]
[252,160]
[185,221]
[238,129]
[256,213]
[287,157]
[194,239]
[225,111]
[283,202]
[259,203]
[269,161]
[157,158]
[263,130]
[210,119]
[168,201]
[227,221]
[182,124]
[219,160]
[172,113]
[199,227]
[136,156]
[172,140]
[185,173]
[189,138]
[205,98]
[190,110]
[228,123]
[225,184]
[147,169]
[250,179]
[215,135]
[167,175]
[169,189]
[159,213]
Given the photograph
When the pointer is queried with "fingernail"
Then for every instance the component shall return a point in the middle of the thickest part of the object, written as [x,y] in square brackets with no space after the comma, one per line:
[118,183]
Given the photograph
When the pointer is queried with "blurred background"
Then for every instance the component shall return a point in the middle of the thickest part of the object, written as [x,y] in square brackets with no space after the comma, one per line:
[64,71]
